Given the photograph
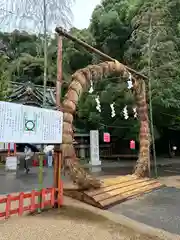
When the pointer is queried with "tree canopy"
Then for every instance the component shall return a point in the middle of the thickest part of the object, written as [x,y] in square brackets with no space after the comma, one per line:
[143,34]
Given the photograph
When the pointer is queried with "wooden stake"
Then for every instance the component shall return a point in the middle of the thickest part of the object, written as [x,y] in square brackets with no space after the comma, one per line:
[59,179]
[55,168]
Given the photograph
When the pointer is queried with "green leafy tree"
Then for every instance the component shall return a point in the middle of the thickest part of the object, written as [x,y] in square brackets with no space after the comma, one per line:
[110,28]
[157,52]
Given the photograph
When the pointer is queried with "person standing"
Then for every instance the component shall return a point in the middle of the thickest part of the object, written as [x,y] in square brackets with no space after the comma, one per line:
[27,152]
[50,158]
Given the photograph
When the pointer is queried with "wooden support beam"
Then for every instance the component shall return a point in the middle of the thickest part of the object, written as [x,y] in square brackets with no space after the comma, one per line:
[63,32]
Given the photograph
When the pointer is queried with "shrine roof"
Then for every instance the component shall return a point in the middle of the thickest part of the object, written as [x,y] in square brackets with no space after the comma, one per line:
[31,94]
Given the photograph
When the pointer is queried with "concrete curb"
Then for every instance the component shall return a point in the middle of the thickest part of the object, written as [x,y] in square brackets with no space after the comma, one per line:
[124,221]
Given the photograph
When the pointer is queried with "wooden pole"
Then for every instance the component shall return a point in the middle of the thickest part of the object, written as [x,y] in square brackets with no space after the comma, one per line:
[55,168]
[59,179]
[44,95]
[63,32]
[57,159]
[59,73]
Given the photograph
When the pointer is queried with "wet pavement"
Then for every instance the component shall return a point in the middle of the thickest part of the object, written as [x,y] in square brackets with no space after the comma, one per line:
[159,209]
[21,181]
[25,182]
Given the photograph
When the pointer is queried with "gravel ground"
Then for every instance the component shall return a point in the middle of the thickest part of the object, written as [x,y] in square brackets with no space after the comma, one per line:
[68,223]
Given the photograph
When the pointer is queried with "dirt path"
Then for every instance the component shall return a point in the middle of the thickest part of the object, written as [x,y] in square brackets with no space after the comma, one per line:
[171,181]
[68,223]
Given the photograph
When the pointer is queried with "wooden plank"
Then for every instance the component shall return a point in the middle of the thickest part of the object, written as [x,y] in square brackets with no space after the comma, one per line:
[122,190]
[103,187]
[70,186]
[113,190]
[121,197]
[91,201]
[74,194]
[113,187]
[145,192]
[110,181]
[132,197]
[124,197]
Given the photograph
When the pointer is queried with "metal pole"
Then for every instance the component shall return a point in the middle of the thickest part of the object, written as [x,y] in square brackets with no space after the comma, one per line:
[150,97]
[64,33]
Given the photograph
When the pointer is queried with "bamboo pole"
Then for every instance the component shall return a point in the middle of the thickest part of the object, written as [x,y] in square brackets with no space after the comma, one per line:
[150,97]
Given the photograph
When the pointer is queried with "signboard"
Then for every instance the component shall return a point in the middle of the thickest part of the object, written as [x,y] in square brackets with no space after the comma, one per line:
[94,147]
[11,163]
[106,137]
[26,124]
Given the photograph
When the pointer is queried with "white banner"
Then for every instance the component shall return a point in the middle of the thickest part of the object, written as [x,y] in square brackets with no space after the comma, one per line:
[94,147]
[26,124]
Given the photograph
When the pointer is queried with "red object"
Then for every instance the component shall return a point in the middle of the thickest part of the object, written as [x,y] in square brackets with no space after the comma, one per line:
[35,162]
[33,200]
[106,137]
[60,196]
[11,151]
[21,201]
[132,144]
[22,206]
